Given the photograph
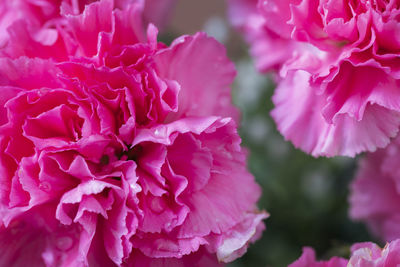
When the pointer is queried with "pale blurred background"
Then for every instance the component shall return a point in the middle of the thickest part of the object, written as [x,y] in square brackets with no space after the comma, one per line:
[306,197]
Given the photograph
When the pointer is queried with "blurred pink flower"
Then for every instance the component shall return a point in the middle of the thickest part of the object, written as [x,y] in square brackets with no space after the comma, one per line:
[352,77]
[341,74]
[158,12]
[375,192]
[362,255]
[308,259]
[268,48]
[123,151]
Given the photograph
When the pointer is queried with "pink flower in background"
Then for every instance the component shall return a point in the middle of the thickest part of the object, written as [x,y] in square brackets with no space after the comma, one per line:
[122,151]
[308,259]
[158,12]
[362,255]
[375,192]
[342,76]
[268,48]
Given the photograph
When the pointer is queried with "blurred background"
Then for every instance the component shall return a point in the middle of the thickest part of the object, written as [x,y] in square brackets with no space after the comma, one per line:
[306,197]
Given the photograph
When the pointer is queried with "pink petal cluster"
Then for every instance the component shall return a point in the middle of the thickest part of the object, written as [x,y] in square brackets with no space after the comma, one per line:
[117,150]
[338,90]
[362,255]
[375,192]
[41,17]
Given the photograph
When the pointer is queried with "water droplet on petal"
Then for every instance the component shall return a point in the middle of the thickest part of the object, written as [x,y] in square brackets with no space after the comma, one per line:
[136,188]
[157,204]
[45,186]
[64,243]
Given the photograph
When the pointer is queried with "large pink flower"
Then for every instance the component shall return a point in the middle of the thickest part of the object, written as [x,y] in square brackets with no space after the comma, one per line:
[375,192]
[125,153]
[362,255]
[342,76]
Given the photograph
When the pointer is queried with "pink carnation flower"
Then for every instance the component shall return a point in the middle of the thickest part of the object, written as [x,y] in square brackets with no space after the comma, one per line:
[308,259]
[375,192]
[126,153]
[267,46]
[362,255]
[338,92]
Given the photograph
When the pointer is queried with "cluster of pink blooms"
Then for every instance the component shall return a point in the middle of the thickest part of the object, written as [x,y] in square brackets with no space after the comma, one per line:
[339,72]
[362,255]
[337,69]
[117,150]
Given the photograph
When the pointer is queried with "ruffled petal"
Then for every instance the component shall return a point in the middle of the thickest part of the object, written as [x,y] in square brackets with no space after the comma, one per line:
[299,107]
[207,79]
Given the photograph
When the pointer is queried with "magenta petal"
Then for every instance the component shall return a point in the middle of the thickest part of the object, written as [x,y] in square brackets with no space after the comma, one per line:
[96,18]
[39,242]
[55,123]
[264,27]
[236,242]
[221,215]
[6,94]
[375,192]
[362,254]
[187,148]
[299,107]
[307,259]
[197,259]
[164,246]
[205,97]
[370,254]
[75,196]
[28,73]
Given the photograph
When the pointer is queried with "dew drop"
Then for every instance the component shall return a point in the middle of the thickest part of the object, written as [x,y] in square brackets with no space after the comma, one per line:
[45,186]
[64,243]
[136,188]
[157,205]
